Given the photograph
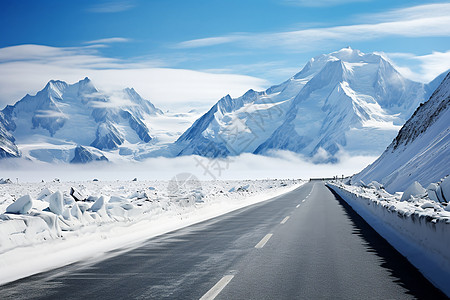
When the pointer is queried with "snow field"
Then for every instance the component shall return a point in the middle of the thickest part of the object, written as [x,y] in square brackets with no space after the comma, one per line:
[418,227]
[49,227]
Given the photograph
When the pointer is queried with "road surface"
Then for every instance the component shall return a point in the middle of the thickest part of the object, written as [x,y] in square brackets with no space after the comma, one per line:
[306,244]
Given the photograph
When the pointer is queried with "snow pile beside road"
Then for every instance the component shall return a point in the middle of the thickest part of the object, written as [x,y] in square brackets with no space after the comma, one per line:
[48,225]
[415,224]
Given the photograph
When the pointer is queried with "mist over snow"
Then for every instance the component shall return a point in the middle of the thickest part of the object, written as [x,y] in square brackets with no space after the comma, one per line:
[281,164]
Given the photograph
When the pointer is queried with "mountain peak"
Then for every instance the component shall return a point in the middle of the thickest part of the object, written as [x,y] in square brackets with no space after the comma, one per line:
[350,55]
[86,86]
[55,84]
[55,88]
[85,80]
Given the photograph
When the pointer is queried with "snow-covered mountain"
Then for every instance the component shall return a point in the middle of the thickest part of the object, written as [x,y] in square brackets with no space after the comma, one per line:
[58,120]
[421,150]
[343,100]
[7,146]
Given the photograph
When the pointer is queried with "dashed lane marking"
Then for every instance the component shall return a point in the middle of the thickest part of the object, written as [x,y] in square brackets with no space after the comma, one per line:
[284,220]
[263,241]
[217,288]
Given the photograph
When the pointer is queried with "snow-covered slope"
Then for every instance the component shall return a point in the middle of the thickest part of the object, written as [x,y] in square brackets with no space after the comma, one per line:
[344,100]
[421,150]
[51,124]
[7,146]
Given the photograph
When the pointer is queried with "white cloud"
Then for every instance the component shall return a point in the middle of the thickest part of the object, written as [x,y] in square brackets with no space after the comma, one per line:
[108,40]
[205,42]
[408,22]
[27,68]
[408,13]
[111,7]
[434,64]
[428,66]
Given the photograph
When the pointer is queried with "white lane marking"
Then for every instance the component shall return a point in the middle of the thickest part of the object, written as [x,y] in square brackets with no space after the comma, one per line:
[310,192]
[298,205]
[263,241]
[284,220]
[217,288]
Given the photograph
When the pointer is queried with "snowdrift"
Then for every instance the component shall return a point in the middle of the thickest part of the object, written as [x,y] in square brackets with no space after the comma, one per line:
[54,224]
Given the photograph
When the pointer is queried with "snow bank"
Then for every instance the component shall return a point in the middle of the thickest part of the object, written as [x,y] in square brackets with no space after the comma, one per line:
[419,227]
[59,223]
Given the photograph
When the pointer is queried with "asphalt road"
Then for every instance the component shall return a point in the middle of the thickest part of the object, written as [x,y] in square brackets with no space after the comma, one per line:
[306,244]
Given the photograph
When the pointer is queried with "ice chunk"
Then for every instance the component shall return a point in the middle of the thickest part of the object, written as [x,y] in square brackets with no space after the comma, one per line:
[21,205]
[415,189]
[76,194]
[83,206]
[431,191]
[445,189]
[56,203]
[5,181]
[99,204]
[75,211]
[44,193]
[39,204]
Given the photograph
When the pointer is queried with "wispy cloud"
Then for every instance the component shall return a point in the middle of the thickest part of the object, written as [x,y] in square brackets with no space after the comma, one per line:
[212,41]
[428,66]
[26,68]
[408,22]
[320,3]
[111,7]
[408,13]
[108,41]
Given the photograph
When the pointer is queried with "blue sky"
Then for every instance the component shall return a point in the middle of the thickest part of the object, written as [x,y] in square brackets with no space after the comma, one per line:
[154,45]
